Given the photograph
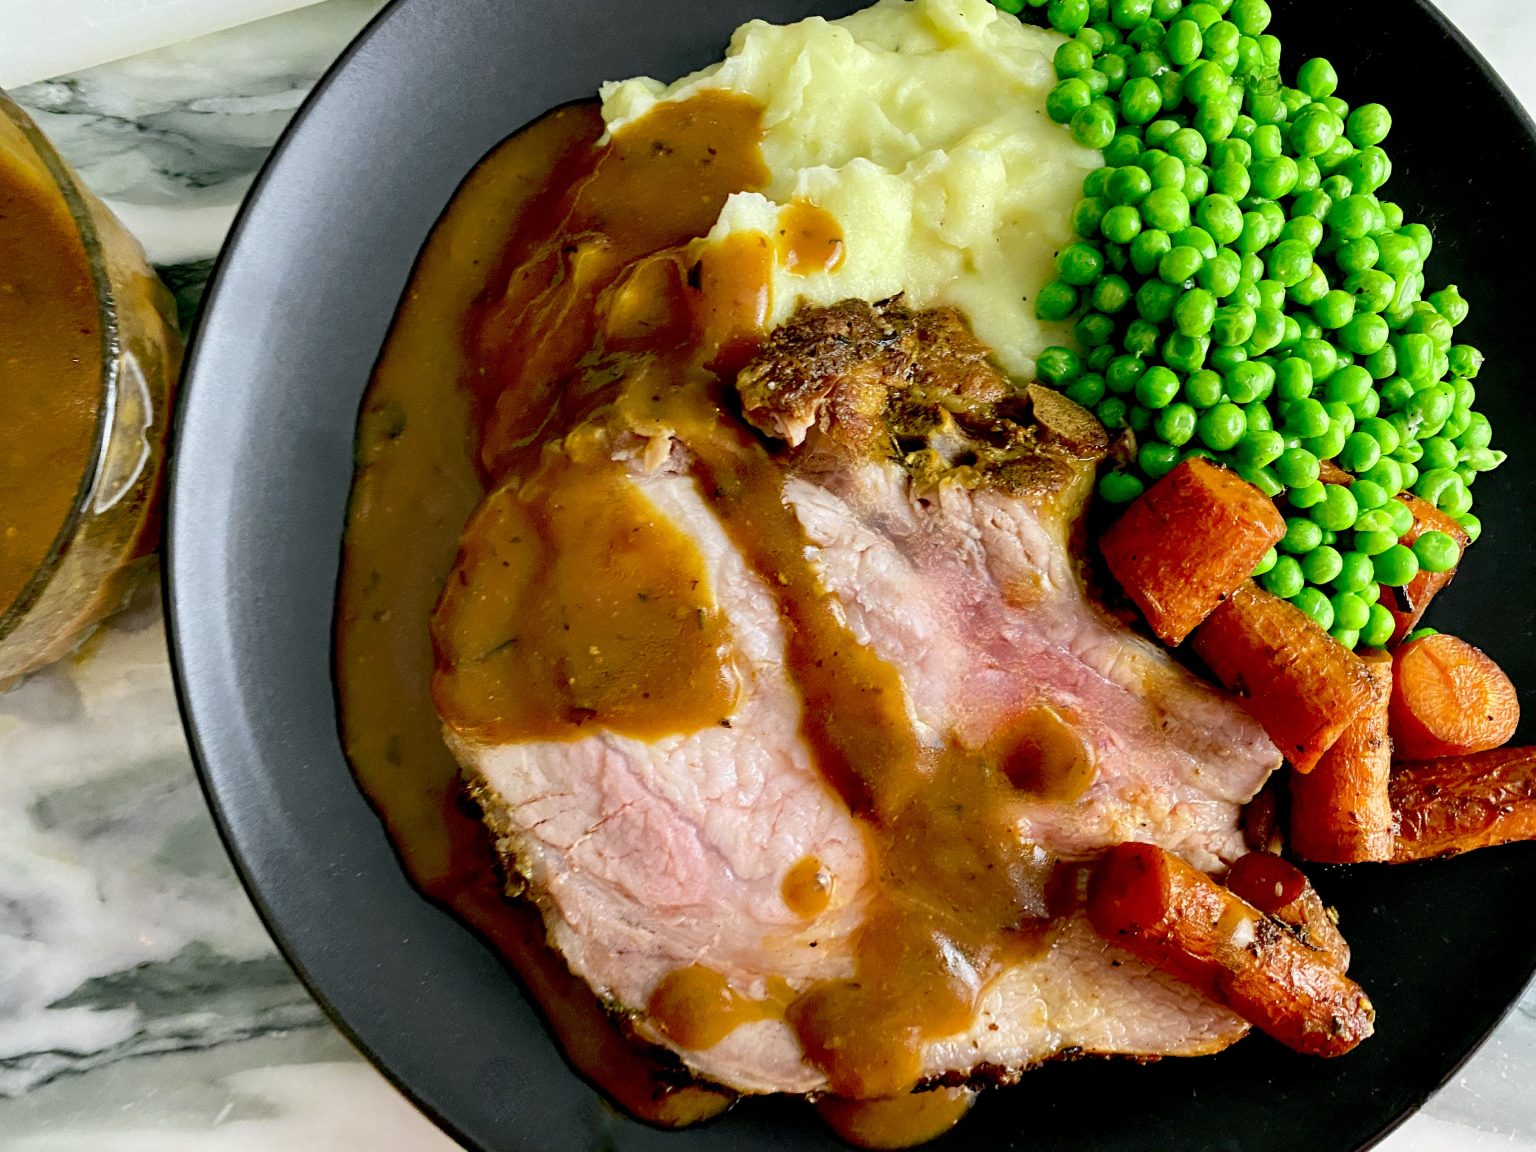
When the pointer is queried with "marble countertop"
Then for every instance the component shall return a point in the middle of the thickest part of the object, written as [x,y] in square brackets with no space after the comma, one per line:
[142,1006]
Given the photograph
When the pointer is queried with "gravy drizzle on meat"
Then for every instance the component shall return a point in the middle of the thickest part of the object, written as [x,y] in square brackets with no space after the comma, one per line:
[604,332]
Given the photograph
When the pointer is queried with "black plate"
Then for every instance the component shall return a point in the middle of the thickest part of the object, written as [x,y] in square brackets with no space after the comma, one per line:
[294,320]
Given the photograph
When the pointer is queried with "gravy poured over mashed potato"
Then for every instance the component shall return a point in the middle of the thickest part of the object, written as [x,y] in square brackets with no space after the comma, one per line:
[920,126]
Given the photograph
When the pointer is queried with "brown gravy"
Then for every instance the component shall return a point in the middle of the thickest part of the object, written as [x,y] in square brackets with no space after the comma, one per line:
[50,364]
[563,296]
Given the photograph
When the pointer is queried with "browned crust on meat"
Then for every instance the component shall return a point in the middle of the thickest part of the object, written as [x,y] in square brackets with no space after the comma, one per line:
[917,387]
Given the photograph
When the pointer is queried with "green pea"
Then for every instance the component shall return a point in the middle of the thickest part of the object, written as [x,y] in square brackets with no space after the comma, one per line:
[1094,329]
[1274,178]
[1309,177]
[1093,126]
[1120,487]
[1199,239]
[1466,361]
[1355,572]
[1382,364]
[1057,301]
[1450,304]
[1315,605]
[1364,334]
[1266,563]
[1376,520]
[1369,124]
[1233,325]
[1155,301]
[1304,496]
[1349,611]
[1175,424]
[1297,468]
[1317,78]
[1338,510]
[1322,564]
[1301,536]
[1348,386]
[1263,479]
[1129,184]
[1140,100]
[1124,149]
[1086,390]
[1195,312]
[1157,460]
[1317,204]
[1369,495]
[1123,372]
[1348,638]
[1284,579]
[1222,426]
[1157,388]
[1378,630]
[1068,17]
[1437,552]
[1148,250]
[1184,43]
[1335,309]
[1057,365]
[1293,379]
[1258,449]
[1386,474]
[1290,262]
[1221,275]
[1396,393]
[1112,413]
[1312,289]
[1393,214]
[1080,264]
[1203,389]
[1368,169]
[1399,255]
[1471,525]
[1329,444]
[1396,566]
[1186,353]
[1180,264]
[1360,454]
[1373,544]
[1440,453]
[1305,418]
[1067,99]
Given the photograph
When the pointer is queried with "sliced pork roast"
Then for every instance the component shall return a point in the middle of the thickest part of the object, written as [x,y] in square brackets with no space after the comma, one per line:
[727,885]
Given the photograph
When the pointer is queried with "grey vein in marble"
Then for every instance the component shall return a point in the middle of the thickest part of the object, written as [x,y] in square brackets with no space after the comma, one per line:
[123,930]
[172,139]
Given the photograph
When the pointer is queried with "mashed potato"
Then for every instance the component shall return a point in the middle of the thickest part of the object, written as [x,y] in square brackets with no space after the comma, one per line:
[921,126]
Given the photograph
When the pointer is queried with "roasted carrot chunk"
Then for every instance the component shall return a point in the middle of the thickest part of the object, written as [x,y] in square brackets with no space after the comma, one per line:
[1340,811]
[1409,603]
[1301,684]
[1278,888]
[1445,807]
[1179,920]
[1187,542]
[1449,699]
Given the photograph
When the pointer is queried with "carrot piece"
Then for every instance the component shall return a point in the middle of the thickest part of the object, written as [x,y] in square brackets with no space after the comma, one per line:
[1179,920]
[1445,807]
[1301,684]
[1279,889]
[1448,699]
[1409,603]
[1182,547]
[1340,811]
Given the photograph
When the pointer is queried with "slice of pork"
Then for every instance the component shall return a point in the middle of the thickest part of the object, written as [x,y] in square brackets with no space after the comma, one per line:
[944,531]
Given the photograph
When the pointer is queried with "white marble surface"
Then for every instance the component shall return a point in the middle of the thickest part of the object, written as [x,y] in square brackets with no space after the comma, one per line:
[142,1006]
